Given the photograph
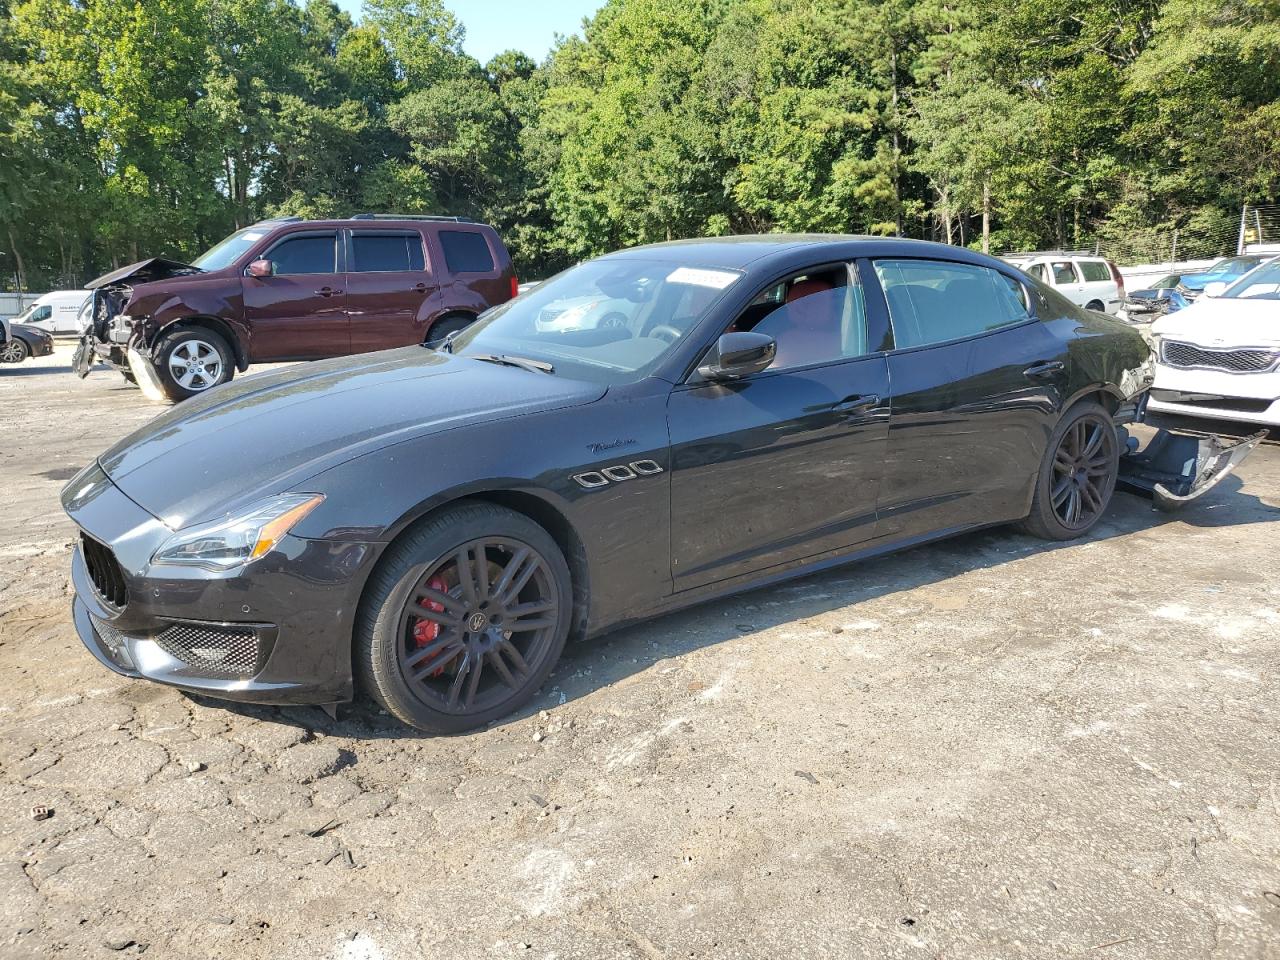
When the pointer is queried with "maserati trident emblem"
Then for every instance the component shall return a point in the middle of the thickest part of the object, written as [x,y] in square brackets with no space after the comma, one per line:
[477,622]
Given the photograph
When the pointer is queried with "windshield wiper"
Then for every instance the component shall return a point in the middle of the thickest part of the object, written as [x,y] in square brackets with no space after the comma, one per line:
[506,359]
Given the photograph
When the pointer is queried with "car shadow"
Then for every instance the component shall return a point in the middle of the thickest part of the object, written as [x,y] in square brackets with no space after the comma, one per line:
[610,659]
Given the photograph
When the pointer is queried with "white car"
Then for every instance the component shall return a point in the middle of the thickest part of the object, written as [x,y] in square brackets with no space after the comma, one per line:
[55,312]
[1220,357]
[1087,281]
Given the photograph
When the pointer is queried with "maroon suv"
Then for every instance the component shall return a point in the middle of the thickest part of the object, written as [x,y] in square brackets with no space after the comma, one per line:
[294,289]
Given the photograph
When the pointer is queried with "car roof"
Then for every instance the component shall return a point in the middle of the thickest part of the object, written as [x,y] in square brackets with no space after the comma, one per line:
[757,251]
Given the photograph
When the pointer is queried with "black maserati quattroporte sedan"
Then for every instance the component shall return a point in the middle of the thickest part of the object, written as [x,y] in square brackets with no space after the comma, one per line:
[644,431]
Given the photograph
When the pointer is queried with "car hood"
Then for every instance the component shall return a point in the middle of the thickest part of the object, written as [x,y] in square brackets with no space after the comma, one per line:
[1197,281]
[1224,321]
[144,271]
[267,433]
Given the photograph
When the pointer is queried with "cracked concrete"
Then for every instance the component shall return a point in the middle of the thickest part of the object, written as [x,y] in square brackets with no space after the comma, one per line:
[985,748]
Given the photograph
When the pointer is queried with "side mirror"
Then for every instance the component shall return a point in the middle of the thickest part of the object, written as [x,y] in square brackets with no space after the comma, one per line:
[738,355]
[1214,289]
[262,269]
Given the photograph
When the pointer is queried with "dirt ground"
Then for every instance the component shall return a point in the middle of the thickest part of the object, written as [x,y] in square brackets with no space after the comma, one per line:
[985,748]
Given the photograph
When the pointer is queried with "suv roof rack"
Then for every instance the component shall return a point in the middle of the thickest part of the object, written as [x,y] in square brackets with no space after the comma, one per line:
[1055,253]
[279,220]
[408,216]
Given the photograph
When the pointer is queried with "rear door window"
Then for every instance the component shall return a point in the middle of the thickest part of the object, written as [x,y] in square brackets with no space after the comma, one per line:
[386,252]
[1064,271]
[466,251]
[933,301]
[312,253]
[1095,271]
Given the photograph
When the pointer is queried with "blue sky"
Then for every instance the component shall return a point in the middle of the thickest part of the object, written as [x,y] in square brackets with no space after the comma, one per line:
[497,25]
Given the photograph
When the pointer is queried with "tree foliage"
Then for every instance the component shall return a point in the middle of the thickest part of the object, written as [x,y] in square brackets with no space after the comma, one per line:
[142,127]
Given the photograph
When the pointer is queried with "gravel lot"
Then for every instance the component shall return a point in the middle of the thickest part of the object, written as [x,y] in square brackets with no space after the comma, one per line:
[985,748]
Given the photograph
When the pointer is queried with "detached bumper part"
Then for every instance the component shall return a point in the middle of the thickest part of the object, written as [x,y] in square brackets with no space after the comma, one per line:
[1176,468]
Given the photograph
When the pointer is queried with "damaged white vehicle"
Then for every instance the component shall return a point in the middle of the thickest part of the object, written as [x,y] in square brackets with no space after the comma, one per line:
[1220,357]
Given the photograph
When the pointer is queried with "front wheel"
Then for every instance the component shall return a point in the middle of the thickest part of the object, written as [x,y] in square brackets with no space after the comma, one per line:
[15,351]
[1078,475]
[191,360]
[465,618]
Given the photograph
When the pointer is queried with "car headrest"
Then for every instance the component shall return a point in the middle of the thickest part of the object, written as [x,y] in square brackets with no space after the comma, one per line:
[806,287]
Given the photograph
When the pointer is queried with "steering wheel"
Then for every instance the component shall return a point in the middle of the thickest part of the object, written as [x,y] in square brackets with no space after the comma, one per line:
[665,331]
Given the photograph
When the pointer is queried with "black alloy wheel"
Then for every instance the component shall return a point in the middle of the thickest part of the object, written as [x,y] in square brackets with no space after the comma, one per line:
[1082,472]
[474,623]
[464,619]
[1078,476]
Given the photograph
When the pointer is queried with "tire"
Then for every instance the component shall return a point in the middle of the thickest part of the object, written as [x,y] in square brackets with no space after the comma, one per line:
[454,669]
[15,351]
[128,376]
[176,353]
[1075,481]
[1096,306]
[447,325]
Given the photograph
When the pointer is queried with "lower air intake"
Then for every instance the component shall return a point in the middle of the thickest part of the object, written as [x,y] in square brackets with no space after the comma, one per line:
[212,648]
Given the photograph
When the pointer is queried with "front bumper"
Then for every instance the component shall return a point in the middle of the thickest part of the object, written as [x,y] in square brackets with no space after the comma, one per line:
[277,631]
[1218,395]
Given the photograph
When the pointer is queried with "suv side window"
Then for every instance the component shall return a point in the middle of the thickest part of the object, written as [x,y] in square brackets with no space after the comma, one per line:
[1095,271]
[933,301]
[1064,271]
[311,253]
[386,252]
[466,251]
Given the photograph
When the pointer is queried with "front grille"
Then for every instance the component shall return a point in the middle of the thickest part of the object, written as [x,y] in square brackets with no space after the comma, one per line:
[104,571]
[213,648]
[1251,360]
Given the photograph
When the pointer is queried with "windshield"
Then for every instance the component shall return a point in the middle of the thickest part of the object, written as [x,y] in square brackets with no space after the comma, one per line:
[229,250]
[1234,265]
[1260,284]
[608,321]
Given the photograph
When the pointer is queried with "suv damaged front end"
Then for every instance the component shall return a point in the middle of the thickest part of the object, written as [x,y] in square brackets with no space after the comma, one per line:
[111,334]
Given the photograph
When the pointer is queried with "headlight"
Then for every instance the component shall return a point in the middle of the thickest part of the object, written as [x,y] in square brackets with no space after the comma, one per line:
[241,539]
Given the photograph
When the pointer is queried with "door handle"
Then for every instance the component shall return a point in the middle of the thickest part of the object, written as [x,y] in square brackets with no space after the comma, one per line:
[1044,369]
[328,292]
[420,287]
[856,404]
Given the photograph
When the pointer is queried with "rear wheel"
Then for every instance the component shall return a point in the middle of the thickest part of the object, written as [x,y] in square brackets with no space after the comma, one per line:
[465,618]
[1095,305]
[447,325]
[15,351]
[1078,475]
[191,360]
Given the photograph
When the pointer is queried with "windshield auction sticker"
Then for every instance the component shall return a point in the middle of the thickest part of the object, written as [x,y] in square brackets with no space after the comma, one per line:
[716,279]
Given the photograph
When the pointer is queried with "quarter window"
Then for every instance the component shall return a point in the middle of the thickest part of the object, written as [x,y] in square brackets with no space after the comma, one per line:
[466,251]
[1095,271]
[313,253]
[386,252]
[932,301]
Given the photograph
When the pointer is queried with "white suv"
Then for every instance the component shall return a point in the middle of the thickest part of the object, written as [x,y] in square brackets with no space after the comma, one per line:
[1085,280]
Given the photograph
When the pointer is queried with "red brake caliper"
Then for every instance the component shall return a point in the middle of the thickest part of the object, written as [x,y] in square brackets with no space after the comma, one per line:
[425,631]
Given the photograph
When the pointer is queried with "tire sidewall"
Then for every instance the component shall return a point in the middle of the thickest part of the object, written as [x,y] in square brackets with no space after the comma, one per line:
[169,342]
[381,674]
